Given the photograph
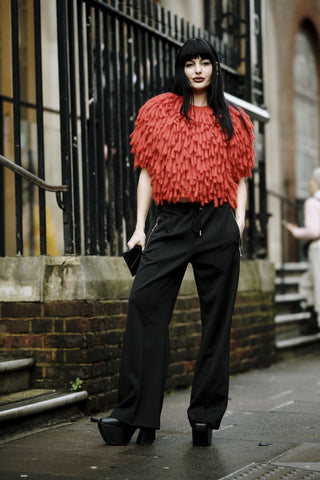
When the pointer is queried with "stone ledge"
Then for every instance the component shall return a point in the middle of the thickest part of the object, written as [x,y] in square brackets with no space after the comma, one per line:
[69,278]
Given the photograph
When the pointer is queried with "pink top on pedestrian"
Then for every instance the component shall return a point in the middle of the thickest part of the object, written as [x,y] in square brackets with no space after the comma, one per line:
[311,229]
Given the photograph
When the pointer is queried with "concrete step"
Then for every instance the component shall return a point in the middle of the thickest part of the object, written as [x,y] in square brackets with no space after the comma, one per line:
[288,298]
[34,402]
[297,341]
[291,317]
[290,267]
[38,409]
[24,395]
[287,281]
[15,375]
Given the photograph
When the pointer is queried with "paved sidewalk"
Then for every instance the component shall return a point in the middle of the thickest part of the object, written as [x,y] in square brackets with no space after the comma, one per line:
[271,430]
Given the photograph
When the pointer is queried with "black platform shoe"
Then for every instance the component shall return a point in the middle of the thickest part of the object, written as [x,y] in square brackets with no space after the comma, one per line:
[201,434]
[113,431]
[146,436]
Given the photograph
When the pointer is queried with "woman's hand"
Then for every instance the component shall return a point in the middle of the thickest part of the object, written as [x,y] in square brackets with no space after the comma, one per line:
[290,226]
[138,238]
[144,197]
[241,226]
[240,211]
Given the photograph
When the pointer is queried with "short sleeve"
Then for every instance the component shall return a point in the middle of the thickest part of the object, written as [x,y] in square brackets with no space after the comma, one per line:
[241,145]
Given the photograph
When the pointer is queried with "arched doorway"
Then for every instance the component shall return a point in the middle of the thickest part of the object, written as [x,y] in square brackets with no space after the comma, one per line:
[306,110]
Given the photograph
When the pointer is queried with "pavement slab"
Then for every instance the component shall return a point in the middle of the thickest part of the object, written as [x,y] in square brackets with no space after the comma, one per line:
[305,456]
[270,472]
[271,430]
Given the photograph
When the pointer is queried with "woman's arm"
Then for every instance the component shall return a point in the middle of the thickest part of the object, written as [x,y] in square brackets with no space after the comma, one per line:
[311,229]
[240,211]
[144,197]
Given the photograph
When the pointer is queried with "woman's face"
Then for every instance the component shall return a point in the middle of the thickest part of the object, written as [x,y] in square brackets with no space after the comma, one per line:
[198,72]
[313,186]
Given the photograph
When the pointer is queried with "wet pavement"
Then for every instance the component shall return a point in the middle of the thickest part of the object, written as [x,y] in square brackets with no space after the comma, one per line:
[271,430]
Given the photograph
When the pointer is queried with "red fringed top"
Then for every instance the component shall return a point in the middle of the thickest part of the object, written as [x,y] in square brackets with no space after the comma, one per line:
[191,159]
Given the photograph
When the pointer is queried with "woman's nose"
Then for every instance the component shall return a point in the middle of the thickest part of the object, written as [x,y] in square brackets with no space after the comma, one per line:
[198,67]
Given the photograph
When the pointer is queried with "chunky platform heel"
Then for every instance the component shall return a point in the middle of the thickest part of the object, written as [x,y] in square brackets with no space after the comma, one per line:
[113,431]
[146,436]
[201,434]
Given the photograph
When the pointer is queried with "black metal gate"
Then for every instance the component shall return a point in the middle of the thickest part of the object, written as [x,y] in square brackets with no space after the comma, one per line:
[113,56]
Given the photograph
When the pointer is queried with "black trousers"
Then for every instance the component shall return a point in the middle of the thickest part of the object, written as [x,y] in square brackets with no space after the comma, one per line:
[207,237]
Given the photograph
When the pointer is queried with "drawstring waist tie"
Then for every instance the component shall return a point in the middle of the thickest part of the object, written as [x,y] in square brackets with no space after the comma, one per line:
[184,207]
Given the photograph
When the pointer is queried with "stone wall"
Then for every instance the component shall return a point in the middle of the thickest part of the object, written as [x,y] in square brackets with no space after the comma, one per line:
[74,325]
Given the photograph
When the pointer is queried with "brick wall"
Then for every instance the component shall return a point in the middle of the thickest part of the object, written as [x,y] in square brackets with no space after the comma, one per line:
[83,339]
[252,336]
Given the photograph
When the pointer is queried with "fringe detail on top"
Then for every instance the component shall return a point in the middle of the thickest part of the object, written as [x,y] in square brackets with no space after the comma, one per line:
[191,159]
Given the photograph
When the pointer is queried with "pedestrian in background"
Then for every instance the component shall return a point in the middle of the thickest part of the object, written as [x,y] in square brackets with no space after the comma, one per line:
[309,286]
[194,151]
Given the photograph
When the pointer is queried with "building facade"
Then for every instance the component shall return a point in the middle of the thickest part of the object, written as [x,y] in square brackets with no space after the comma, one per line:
[79,73]
[73,75]
[291,61]
[292,69]
[289,150]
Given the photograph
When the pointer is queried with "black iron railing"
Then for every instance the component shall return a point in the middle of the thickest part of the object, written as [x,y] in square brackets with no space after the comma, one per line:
[112,57]
[38,181]
[289,211]
[33,179]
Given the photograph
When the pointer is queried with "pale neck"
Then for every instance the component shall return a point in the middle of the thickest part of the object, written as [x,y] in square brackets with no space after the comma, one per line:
[200,99]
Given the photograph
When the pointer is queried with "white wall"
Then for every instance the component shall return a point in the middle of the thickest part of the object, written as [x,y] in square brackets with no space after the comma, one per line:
[273,160]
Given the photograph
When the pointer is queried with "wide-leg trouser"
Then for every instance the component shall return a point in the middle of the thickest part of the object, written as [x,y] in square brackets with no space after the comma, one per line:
[310,281]
[207,237]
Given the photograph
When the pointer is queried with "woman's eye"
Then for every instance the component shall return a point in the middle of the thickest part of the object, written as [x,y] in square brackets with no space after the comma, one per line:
[189,64]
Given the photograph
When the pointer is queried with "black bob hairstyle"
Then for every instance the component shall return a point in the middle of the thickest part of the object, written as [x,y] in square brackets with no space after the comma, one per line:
[195,48]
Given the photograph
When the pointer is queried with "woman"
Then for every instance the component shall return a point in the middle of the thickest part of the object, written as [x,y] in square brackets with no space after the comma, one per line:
[194,152]
[310,281]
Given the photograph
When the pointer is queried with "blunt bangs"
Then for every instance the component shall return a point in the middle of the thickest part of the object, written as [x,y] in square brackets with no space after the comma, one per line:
[193,49]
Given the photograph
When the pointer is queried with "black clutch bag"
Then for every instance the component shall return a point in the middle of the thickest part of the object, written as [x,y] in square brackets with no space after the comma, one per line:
[132,258]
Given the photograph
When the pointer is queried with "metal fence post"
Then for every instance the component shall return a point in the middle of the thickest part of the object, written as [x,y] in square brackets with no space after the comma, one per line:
[40,126]
[16,121]
[64,94]
[2,207]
